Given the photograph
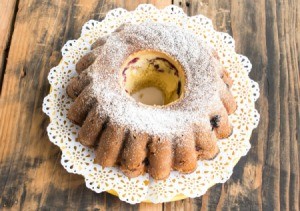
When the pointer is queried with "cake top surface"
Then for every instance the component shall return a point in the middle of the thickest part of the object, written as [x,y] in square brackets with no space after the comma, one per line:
[201,69]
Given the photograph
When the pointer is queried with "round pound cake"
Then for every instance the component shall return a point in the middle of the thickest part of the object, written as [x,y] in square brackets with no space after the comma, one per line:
[151,98]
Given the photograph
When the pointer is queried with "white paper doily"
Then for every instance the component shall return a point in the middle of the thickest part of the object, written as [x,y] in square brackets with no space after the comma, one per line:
[78,159]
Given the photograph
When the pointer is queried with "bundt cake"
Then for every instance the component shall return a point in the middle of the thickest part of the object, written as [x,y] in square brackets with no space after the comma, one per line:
[151,98]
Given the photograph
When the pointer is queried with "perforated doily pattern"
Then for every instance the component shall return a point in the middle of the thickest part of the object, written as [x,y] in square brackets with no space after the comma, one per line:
[78,159]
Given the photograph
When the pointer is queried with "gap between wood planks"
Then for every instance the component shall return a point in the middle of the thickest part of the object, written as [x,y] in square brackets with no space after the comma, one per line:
[7,45]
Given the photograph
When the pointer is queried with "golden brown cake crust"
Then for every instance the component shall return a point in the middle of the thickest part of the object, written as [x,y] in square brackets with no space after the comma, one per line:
[160,157]
[110,144]
[134,154]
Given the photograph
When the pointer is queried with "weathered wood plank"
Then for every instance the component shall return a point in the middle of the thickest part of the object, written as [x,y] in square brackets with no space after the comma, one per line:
[8,10]
[294,103]
[150,207]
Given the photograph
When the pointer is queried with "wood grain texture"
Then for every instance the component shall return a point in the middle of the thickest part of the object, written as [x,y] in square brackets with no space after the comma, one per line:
[31,176]
[8,11]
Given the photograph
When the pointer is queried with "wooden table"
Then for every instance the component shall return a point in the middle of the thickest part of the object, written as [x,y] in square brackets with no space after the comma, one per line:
[32,33]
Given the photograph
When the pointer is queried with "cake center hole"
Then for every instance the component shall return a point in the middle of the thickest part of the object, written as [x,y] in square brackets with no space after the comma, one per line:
[152,78]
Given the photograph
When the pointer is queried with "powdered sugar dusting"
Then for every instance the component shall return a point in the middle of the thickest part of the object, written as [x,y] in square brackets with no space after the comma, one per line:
[201,71]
